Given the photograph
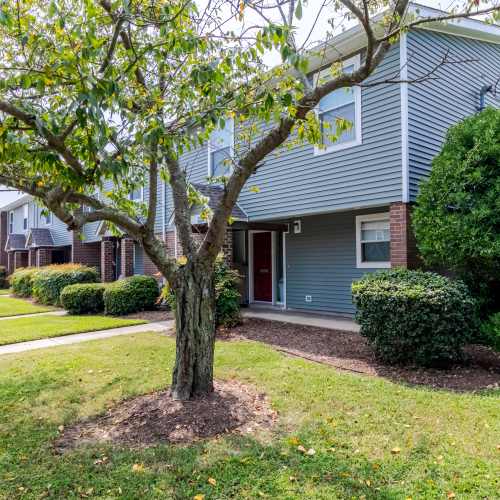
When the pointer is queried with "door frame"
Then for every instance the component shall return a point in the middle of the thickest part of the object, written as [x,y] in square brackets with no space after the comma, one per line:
[274,242]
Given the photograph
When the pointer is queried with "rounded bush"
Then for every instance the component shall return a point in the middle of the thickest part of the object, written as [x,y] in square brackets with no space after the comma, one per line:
[129,295]
[21,281]
[50,281]
[490,332]
[227,295]
[83,298]
[415,317]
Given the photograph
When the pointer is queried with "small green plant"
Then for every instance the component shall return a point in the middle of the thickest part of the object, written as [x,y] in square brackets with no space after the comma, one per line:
[50,281]
[83,298]
[415,317]
[129,295]
[490,332]
[21,281]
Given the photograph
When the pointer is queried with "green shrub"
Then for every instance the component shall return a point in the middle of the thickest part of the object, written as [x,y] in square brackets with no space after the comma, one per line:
[227,295]
[21,281]
[83,298]
[129,295]
[50,281]
[3,278]
[490,332]
[456,217]
[415,317]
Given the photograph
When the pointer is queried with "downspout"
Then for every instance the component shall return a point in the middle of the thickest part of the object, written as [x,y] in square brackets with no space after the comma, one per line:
[482,95]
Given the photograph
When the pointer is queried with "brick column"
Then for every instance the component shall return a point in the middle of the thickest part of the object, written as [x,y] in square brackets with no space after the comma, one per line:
[32,257]
[403,245]
[10,262]
[43,257]
[127,257]
[107,260]
[3,238]
[227,247]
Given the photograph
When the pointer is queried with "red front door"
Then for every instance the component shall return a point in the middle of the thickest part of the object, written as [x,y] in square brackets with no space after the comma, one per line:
[262,267]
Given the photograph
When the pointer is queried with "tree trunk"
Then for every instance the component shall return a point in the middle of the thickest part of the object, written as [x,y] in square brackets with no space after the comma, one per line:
[195,332]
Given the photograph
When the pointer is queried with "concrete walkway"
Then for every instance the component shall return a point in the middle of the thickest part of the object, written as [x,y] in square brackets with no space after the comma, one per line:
[302,318]
[77,338]
[48,313]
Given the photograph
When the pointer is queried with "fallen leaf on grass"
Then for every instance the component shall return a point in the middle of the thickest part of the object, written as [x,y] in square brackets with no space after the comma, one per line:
[199,497]
[138,468]
[396,450]
[212,481]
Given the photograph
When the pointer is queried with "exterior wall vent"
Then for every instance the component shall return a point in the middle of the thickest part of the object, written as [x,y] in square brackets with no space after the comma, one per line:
[297,226]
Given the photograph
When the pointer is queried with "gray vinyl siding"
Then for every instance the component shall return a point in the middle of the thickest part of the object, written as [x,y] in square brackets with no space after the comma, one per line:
[298,182]
[321,262]
[437,104]
[59,230]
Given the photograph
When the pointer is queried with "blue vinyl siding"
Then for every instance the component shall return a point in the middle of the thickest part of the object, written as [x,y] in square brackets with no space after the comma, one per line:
[321,262]
[437,104]
[297,182]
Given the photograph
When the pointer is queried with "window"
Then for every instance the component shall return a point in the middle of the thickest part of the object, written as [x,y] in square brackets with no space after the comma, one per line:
[341,104]
[373,240]
[25,216]
[137,194]
[47,218]
[11,222]
[220,150]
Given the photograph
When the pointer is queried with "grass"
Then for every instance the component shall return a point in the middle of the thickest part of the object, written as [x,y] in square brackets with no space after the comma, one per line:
[5,291]
[23,329]
[10,306]
[448,441]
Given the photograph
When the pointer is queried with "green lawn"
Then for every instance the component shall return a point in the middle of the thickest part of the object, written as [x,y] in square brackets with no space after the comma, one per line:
[10,306]
[448,441]
[23,329]
[5,291]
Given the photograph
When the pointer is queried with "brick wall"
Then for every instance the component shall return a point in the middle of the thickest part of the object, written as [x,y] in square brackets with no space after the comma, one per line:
[43,257]
[3,238]
[403,244]
[85,253]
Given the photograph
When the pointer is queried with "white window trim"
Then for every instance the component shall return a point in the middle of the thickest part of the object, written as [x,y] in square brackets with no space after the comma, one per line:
[26,216]
[359,220]
[11,222]
[141,199]
[211,150]
[358,139]
[49,214]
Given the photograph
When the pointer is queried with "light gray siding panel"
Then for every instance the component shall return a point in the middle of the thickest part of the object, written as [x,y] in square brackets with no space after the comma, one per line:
[437,104]
[297,181]
[321,262]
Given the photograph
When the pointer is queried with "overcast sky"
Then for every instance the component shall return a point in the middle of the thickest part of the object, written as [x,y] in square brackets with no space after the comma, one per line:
[303,31]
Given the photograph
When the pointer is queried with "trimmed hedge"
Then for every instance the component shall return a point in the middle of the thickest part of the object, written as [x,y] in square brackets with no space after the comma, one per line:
[21,281]
[129,295]
[415,317]
[83,298]
[3,277]
[490,332]
[49,282]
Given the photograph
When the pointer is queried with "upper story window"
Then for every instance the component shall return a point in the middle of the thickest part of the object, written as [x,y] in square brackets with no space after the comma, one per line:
[11,222]
[373,240]
[25,216]
[137,194]
[220,150]
[47,218]
[341,104]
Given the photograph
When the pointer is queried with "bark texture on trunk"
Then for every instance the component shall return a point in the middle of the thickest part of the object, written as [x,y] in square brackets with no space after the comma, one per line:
[195,333]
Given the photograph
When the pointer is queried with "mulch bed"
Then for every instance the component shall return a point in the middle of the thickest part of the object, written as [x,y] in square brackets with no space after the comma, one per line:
[349,351]
[156,418]
[152,316]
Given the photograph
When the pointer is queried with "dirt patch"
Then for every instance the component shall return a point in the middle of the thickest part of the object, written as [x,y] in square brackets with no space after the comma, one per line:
[349,351]
[156,418]
[152,316]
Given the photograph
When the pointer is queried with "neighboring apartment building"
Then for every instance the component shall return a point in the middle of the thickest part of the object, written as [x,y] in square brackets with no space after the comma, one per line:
[323,217]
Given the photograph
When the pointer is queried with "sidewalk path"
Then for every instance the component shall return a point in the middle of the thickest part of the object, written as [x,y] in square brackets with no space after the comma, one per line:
[159,326]
[48,313]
